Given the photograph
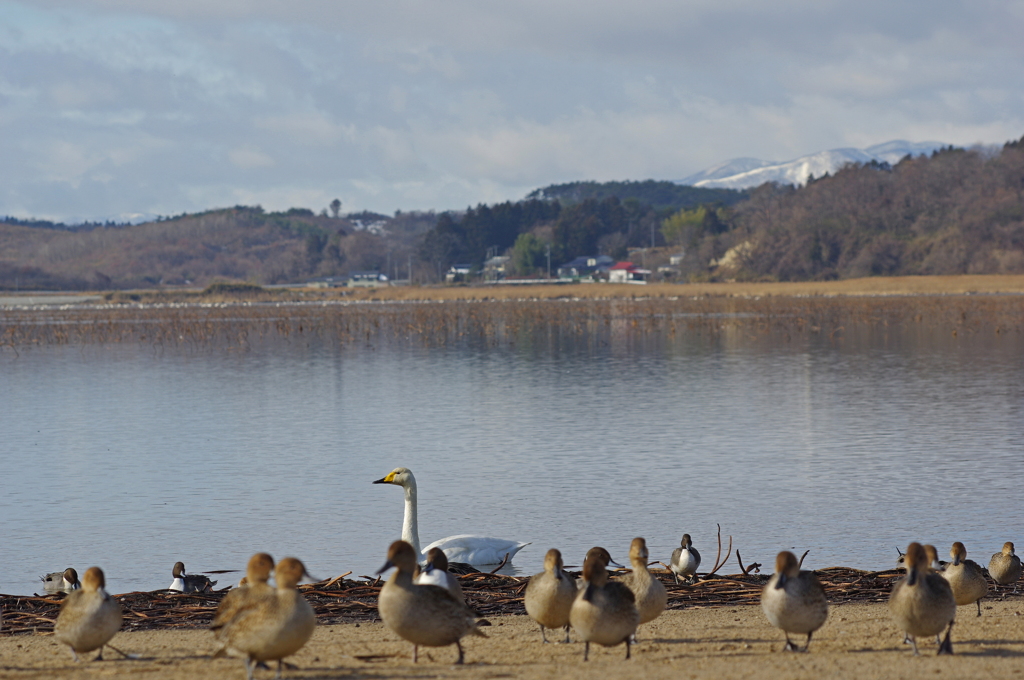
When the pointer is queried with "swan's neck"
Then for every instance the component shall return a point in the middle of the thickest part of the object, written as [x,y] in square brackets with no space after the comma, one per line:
[410,527]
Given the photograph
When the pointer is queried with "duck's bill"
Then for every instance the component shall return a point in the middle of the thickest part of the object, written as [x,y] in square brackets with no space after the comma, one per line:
[387,565]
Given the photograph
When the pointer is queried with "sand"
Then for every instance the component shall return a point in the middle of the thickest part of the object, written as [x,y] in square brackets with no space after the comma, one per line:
[858,641]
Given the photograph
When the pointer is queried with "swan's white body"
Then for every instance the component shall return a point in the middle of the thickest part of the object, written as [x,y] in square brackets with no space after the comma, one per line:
[462,548]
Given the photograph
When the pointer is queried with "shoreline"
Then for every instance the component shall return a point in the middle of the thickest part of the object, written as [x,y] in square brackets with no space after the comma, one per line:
[905,286]
[735,641]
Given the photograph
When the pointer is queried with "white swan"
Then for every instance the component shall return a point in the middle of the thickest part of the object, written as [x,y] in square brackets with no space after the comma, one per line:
[461,548]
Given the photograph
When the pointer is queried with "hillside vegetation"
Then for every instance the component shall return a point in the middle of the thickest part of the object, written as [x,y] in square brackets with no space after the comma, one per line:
[954,212]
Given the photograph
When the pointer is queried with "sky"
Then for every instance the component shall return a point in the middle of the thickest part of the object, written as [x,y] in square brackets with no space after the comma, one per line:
[114,108]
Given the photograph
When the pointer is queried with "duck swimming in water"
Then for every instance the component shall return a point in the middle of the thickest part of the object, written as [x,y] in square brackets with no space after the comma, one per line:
[189,583]
[460,548]
[61,581]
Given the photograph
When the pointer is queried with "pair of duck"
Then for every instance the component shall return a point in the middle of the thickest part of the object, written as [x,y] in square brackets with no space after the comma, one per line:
[602,611]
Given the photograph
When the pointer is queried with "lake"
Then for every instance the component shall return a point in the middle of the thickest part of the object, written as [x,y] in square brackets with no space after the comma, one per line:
[845,441]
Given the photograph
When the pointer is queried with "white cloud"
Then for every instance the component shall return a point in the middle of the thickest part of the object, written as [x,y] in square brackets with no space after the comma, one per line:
[414,104]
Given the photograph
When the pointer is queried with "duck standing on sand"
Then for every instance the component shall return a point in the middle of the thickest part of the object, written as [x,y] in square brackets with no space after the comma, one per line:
[189,583]
[604,611]
[794,600]
[550,594]
[685,560]
[651,596]
[436,574]
[461,548]
[424,615]
[61,581]
[270,625]
[257,573]
[1004,567]
[922,602]
[965,577]
[89,617]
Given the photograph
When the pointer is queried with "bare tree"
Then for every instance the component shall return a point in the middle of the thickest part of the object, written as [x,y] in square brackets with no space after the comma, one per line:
[335,208]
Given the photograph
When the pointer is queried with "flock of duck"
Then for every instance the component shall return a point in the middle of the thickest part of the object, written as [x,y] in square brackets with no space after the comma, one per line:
[424,605]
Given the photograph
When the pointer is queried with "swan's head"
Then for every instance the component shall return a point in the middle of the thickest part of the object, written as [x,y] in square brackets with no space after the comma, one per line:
[436,559]
[179,570]
[399,477]
[93,580]
[289,572]
[787,567]
[958,552]
[261,565]
[638,551]
[401,555]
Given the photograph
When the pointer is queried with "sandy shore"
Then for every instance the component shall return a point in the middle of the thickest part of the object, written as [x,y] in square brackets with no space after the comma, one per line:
[858,641]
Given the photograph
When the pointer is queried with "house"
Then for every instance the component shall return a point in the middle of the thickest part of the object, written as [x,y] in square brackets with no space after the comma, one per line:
[367,279]
[458,272]
[494,268]
[627,272]
[585,266]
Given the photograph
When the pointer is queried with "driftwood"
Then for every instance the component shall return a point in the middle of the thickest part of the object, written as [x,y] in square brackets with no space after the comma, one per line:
[340,600]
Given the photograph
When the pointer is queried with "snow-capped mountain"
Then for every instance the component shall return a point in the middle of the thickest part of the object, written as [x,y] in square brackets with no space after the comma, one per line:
[742,173]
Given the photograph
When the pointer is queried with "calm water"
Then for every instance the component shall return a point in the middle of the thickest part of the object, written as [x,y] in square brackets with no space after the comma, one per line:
[132,458]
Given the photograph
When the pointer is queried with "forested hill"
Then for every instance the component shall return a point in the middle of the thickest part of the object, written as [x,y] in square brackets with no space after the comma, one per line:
[954,212]
[658,195]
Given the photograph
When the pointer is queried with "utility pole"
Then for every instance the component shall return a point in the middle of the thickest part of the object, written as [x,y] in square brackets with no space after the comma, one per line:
[410,269]
[549,260]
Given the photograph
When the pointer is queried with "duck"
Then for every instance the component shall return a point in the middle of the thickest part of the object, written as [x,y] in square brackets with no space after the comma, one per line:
[460,548]
[651,596]
[933,559]
[965,577]
[604,612]
[61,581]
[271,624]
[685,560]
[189,583]
[922,602]
[794,601]
[89,617]
[1004,567]
[550,594]
[436,573]
[257,573]
[425,615]
[606,558]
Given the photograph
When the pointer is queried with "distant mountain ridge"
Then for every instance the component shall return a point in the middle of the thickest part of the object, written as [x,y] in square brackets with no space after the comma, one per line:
[743,173]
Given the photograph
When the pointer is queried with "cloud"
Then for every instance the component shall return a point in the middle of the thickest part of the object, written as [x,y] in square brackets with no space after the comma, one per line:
[116,106]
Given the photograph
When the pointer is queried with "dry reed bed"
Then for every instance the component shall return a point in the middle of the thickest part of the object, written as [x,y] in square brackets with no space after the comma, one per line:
[510,322]
[343,601]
